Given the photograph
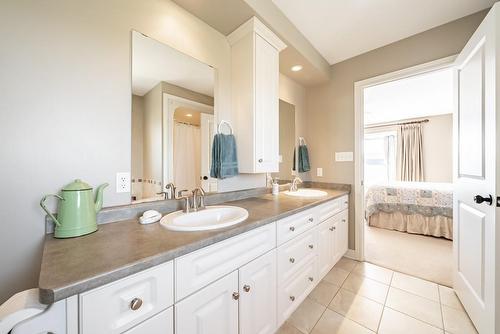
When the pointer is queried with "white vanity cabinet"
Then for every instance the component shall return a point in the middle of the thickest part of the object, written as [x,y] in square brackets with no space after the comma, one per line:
[255,96]
[121,305]
[248,284]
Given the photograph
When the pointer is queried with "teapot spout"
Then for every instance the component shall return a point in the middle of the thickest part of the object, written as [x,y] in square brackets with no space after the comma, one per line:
[99,197]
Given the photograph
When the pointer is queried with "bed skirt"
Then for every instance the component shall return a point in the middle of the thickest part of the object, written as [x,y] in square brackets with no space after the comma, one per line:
[437,226]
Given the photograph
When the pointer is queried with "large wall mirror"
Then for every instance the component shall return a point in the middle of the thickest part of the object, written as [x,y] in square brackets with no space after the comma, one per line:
[287,142]
[172,120]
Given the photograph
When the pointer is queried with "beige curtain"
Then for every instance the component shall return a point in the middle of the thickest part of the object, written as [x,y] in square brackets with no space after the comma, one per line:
[410,155]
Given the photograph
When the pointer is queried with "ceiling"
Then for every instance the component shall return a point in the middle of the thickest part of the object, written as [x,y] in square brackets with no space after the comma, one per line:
[342,29]
[414,97]
[153,62]
[210,12]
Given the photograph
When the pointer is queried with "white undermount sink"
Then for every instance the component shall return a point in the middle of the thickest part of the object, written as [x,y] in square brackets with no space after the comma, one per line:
[306,193]
[210,218]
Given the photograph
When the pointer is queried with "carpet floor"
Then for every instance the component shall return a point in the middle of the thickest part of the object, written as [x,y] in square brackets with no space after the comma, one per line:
[422,256]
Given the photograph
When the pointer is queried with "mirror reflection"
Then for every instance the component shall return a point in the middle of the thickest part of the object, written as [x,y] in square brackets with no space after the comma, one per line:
[172,120]
[286,142]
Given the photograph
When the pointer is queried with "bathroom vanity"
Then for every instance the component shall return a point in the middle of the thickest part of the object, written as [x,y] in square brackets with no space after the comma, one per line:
[248,278]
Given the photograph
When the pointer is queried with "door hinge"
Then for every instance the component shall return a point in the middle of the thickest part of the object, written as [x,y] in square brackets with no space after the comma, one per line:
[498,201]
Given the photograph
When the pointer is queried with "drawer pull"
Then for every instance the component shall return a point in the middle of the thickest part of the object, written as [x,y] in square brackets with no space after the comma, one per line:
[236,295]
[292,228]
[136,304]
[311,246]
[311,219]
[292,260]
[345,202]
[246,287]
[292,298]
[332,228]
[343,220]
[260,160]
[311,279]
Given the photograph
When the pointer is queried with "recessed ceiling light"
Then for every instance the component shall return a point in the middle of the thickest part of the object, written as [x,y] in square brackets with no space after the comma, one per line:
[189,115]
[296,68]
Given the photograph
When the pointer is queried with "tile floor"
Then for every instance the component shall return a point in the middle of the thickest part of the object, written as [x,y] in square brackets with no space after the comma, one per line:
[359,297]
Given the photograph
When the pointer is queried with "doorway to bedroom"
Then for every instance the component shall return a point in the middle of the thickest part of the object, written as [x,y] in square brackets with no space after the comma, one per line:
[408,174]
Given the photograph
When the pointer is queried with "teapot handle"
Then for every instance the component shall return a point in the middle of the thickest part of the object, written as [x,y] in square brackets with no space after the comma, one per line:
[42,204]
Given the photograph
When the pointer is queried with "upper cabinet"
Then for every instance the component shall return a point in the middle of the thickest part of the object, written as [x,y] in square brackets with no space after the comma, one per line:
[255,96]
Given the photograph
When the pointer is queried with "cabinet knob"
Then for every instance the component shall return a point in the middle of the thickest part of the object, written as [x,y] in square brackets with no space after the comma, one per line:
[292,228]
[343,220]
[332,228]
[136,304]
[345,202]
[292,260]
[246,287]
[311,279]
[311,246]
[311,219]
[260,160]
[292,298]
[236,295]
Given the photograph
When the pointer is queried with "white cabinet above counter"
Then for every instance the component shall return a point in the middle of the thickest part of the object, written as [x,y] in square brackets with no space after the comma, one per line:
[255,96]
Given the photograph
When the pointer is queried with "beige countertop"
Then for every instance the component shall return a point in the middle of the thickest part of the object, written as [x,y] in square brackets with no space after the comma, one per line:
[116,250]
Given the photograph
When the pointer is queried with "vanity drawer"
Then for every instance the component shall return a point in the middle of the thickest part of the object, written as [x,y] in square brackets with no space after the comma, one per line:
[290,227]
[329,209]
[162,323]
[118,306]
[292,292]
[198,269]
[295,253]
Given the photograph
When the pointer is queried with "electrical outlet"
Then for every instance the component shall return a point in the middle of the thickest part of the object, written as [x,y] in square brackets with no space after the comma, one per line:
[319,171]
[123,182]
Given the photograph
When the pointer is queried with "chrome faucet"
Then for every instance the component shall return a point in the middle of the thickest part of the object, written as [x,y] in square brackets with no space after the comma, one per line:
[293,186]
[198,199]
[170,194]
[187,202]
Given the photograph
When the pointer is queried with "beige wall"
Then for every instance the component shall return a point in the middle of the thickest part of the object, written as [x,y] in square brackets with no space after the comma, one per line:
[437,136]
[137,144]
[75,122]
[287,139]
[187,94]
[294,93]
[330,107]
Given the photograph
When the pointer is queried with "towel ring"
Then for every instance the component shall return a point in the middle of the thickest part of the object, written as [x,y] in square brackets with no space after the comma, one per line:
[228,125]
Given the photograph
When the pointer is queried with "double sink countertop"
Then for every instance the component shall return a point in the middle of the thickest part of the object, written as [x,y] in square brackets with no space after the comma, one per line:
[120,249]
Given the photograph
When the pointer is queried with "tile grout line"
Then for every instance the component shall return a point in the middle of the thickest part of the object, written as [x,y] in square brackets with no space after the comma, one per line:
[385,302]
[441,308]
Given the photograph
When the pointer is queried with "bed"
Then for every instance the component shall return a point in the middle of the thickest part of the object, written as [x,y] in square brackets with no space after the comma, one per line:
[414,207]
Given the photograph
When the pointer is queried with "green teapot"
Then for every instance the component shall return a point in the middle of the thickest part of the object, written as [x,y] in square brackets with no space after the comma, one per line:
[77,213]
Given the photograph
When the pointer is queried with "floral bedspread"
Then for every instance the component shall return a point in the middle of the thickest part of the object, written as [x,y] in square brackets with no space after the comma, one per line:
[425,198]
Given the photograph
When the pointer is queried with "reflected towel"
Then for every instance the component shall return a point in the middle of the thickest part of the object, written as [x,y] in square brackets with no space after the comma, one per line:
[224,158]
[304,165]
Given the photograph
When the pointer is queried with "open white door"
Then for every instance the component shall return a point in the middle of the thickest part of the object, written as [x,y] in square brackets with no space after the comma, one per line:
[207,134]
[476,232]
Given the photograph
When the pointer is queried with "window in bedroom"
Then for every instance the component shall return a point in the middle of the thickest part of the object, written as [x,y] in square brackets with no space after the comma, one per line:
[380,157]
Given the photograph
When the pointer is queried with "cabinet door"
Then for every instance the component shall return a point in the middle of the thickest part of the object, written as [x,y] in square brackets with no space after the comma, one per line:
[341,235]
[266,106]
[326,246]
[258,295]
[213,309]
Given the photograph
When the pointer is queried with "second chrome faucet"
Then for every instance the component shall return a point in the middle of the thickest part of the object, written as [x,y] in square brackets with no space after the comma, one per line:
[193,202]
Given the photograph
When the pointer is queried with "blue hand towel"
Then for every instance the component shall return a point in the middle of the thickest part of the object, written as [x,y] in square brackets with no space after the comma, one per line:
[304,165]
[224,158]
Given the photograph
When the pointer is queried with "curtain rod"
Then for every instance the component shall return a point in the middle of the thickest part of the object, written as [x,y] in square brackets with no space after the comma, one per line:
[396,123]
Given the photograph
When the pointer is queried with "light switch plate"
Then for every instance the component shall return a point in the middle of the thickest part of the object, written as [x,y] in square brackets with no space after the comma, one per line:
[344,156]
[319,171]
[123,182]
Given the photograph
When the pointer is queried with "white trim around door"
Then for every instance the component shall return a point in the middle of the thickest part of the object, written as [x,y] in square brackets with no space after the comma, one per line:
[359,86]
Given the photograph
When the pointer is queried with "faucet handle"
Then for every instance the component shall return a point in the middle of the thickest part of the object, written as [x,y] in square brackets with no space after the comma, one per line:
[179,194]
